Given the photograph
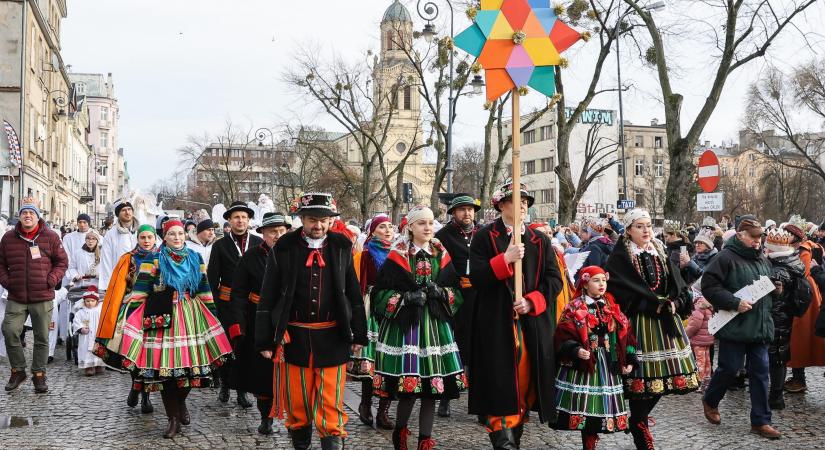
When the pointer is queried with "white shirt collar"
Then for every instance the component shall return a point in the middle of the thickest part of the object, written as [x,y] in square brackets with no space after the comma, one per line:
[638,250]
[315,243]
[427,249]
[509,227]
[590,300]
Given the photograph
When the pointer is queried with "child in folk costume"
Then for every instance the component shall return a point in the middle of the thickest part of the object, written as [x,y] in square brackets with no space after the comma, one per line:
[84,325]
[596,346]
[416,356]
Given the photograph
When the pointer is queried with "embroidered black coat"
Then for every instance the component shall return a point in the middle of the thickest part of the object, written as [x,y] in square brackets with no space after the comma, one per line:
[493,387]
[250,372]
[222,263]
[278,291]
[457,244]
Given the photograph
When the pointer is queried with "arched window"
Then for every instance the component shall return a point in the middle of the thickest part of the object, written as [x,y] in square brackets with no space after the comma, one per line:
[407,98]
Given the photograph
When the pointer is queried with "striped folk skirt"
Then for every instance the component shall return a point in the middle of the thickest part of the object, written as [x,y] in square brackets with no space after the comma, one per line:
[590,402]
[666,363]
[362,364]
[421,361]
[185,353]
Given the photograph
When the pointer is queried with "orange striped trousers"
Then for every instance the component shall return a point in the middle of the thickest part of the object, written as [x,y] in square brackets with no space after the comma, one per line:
[525,388]
[316,395]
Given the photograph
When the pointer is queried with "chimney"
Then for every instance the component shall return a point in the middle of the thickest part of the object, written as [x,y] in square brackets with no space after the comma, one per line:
[707,143]
[110,86]
[654,122]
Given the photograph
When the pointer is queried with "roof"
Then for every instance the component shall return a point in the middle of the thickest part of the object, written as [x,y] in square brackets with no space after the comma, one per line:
[397,13]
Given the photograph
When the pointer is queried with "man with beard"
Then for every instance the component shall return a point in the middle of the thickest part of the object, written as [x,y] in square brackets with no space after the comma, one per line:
[457,236]
[311,315]
[225,256]
[250,371]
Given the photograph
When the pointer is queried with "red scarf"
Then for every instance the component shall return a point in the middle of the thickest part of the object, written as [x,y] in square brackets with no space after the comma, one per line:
[30,235]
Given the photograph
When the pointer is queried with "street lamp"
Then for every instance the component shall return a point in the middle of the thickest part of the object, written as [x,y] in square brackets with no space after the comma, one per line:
[477,84]
[428,11]
[652,7]
[260,135]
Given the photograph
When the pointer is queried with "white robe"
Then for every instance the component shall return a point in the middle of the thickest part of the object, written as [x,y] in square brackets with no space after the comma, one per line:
[72,242]
[203,250]
[54,328]
[80,264]
[87,317]
[114,245]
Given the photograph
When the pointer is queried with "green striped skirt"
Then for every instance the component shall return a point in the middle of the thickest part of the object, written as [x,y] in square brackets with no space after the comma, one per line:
[591,402]
[421,361]
[362,364]
[666,363]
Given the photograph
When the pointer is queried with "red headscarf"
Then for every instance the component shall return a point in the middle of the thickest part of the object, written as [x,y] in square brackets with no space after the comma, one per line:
[585,274]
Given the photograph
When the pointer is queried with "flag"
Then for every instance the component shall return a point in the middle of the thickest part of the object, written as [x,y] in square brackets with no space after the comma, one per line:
[15,157]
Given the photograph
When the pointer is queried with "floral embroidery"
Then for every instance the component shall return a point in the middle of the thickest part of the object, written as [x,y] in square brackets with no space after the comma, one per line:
[576,422]
[621,422]
[377,380]
[637,385]
[679,382]
[392,303]
[657,386]
[610,424]
[423,268]
[409,385]
[437,384]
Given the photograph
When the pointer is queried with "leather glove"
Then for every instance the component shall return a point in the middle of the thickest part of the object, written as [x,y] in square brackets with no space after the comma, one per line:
[435,292]
[415,298]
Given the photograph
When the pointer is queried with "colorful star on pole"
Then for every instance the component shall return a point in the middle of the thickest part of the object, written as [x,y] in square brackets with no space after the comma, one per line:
[517,42]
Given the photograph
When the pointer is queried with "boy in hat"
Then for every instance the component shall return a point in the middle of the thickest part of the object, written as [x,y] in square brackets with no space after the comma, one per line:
[201,239]
[311,300]
[519,330]
[250,371]
[457,236]
[224,258]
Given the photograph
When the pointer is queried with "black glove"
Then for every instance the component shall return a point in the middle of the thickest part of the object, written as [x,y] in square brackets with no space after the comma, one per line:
[435,292]
[415,298]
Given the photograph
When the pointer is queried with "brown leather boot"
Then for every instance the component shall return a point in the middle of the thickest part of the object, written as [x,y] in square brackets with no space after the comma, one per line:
[766,431]
[382,420]
[170,403]
[17,377]
[39,381]
[711,413]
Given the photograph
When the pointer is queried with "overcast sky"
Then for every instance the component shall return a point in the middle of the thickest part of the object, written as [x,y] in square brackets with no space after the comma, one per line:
[184,68]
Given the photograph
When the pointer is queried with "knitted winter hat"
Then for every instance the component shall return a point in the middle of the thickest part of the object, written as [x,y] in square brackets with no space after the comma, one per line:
[377,220]
[91,292]
[171,223]
[705,236]
[204,225]
[31,204]
[83,216]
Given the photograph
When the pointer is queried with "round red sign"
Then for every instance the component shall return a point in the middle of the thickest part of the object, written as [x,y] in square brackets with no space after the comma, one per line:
[708,171]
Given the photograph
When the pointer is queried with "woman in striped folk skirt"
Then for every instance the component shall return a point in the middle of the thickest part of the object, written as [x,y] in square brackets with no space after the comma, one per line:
[173,342]
[650,290]
[596,347]
[416,355]
[362,365]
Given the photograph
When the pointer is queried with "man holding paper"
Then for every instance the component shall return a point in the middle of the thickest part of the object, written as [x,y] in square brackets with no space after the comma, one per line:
[741,264]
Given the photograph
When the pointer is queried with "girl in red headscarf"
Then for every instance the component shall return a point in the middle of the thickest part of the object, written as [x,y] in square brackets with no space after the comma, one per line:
[595,346]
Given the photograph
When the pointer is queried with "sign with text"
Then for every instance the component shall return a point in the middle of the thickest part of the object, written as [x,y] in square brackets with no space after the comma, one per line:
[626,204]
[601,116]
[710,202]
[708,171]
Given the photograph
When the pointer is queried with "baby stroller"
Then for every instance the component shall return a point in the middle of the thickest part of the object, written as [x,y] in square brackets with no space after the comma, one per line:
[74,295]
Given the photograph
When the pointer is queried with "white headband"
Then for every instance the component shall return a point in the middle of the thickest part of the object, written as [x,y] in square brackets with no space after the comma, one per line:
[634,215]
[419,212]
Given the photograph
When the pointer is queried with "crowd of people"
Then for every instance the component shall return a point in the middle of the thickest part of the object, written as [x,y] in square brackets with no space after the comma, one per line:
[613,314]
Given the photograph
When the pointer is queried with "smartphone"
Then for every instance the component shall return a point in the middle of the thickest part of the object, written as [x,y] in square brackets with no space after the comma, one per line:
[603,215]
[683,249]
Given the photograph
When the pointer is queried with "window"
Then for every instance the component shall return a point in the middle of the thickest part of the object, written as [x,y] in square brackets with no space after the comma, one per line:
[736,171]
[528,137]
[657,142]
[546,164]
[751,172]
[545,133]
[528,167]
[640,167]
[104,113]
[407,98]
[104,139]
[103,198]
[640,141]
[389,40]
[659,168]
[547,196]
[724,170]
[621,192]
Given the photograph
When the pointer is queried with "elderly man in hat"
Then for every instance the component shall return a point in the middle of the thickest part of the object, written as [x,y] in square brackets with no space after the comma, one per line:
[738,265]
[311,316]
[223,260]
[518,330]
[457,236]
[121,238]
[250,371]
[32,263]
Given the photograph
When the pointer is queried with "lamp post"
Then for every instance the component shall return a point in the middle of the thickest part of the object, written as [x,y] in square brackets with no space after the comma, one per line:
[652,7]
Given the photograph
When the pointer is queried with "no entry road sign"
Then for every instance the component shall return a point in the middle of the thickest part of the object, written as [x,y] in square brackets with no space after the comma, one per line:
[708,171]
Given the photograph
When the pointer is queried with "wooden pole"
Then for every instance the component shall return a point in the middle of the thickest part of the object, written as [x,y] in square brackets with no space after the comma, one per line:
[517,219]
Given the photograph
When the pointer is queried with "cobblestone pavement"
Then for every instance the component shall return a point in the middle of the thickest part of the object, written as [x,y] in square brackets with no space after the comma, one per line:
[91,412]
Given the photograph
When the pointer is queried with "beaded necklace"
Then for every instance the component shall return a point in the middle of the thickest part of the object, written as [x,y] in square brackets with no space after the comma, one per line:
[656,267]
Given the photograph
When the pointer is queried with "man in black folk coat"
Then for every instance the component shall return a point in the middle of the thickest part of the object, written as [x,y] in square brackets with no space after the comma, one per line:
[251,372]
[225,256]
[512,361]
[457,236]
[311,306]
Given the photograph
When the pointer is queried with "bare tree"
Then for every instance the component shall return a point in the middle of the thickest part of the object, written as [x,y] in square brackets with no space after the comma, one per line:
[366,114]
[776,107]
[599,156]
[741,32]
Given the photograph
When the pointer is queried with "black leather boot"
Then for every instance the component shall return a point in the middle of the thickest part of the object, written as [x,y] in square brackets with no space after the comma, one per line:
[444,409]
[382,420]
[301,438]
[332,443]
[517,432]
[170,403]
[146,406]
[243,400]
[264,406]
[503,440]
[132,398]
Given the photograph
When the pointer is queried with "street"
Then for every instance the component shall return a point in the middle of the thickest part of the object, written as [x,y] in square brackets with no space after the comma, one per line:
[91,412]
